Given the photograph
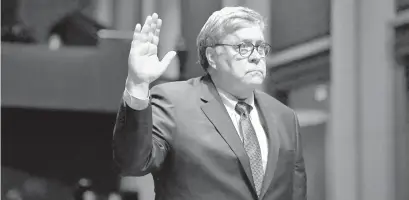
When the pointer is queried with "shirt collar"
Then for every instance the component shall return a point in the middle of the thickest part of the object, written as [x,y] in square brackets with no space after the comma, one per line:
[231,101]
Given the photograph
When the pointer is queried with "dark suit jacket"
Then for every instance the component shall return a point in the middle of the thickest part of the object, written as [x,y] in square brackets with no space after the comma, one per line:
[187,140]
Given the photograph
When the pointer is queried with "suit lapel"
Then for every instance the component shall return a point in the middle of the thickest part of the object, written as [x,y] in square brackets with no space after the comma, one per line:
[216,113]
[266,112]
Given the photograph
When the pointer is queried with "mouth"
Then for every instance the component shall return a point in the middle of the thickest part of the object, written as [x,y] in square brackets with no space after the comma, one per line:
[256,73]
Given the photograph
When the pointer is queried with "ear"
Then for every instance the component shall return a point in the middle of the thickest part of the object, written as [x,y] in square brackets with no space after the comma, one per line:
[210,55]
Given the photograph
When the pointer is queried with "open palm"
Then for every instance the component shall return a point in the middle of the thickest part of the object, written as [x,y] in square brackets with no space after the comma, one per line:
[144,64]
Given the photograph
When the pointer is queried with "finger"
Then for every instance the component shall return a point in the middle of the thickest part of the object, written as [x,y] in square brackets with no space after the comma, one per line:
[147,25]
[158,26]
[159,23]
[155,40]
[157,32]
[137,31]
[138,28]
[154,22]
[150,37]
[168,58]
[144,38]
[152,33]
[153,27]
[155,16]
[136,39]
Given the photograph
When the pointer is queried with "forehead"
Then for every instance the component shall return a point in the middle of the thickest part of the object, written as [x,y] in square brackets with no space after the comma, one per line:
[251,34]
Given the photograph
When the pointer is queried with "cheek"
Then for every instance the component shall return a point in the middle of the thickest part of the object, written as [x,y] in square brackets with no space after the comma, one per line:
[238,67]
[263,66]
[231,65]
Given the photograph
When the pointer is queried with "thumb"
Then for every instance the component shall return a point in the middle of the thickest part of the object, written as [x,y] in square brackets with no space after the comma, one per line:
[168,58]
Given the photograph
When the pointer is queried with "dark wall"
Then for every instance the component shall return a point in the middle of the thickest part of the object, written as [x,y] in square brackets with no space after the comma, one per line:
[293,21]
[402,5]
[9,11]
[194,15]
[73,78]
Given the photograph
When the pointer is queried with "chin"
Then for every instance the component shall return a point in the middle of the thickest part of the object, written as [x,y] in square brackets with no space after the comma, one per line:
[255,82]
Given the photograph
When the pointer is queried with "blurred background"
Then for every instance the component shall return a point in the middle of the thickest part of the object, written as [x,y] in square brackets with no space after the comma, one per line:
[341,64]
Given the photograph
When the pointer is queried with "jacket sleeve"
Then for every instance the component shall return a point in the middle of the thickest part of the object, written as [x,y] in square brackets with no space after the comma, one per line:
[141,137]
[300,177]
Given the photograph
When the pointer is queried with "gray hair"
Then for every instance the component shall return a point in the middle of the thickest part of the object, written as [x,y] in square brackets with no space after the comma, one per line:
[220,24]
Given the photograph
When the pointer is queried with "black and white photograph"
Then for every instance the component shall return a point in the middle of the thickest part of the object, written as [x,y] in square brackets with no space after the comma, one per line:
[204,99]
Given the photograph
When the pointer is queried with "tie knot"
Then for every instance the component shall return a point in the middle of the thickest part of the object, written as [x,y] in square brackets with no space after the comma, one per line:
[243,108]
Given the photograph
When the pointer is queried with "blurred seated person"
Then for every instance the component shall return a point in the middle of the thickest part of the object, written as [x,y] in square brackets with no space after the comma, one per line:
[83,190]
[12,28]
[16,32]
[76,29]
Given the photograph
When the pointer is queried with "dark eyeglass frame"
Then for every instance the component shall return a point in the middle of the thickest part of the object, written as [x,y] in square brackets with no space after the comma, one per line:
[239,46]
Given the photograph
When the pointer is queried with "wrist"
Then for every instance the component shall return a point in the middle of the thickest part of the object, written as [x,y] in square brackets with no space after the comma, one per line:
[137,89]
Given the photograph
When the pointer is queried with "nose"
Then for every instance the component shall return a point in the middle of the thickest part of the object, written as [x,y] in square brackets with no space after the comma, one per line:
[255,57]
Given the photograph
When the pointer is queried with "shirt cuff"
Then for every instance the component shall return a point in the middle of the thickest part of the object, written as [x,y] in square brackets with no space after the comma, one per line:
[135,102]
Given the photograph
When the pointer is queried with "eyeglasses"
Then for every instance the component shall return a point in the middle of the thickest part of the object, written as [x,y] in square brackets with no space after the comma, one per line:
[247,48]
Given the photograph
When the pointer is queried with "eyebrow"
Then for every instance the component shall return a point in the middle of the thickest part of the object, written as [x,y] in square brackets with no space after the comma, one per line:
[257,42]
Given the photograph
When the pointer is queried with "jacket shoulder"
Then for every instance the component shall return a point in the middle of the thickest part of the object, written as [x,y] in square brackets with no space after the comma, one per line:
[175,89]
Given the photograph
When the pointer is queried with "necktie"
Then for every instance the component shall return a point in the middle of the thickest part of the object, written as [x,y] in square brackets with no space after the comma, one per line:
[251,144]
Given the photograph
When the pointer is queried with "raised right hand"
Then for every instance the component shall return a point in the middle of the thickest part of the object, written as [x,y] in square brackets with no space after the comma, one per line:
[143,63]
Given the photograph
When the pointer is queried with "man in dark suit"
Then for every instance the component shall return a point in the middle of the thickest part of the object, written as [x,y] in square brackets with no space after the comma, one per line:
[211,137]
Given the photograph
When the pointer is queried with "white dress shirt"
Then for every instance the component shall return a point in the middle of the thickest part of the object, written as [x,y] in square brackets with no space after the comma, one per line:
[230,103]
[139,103]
